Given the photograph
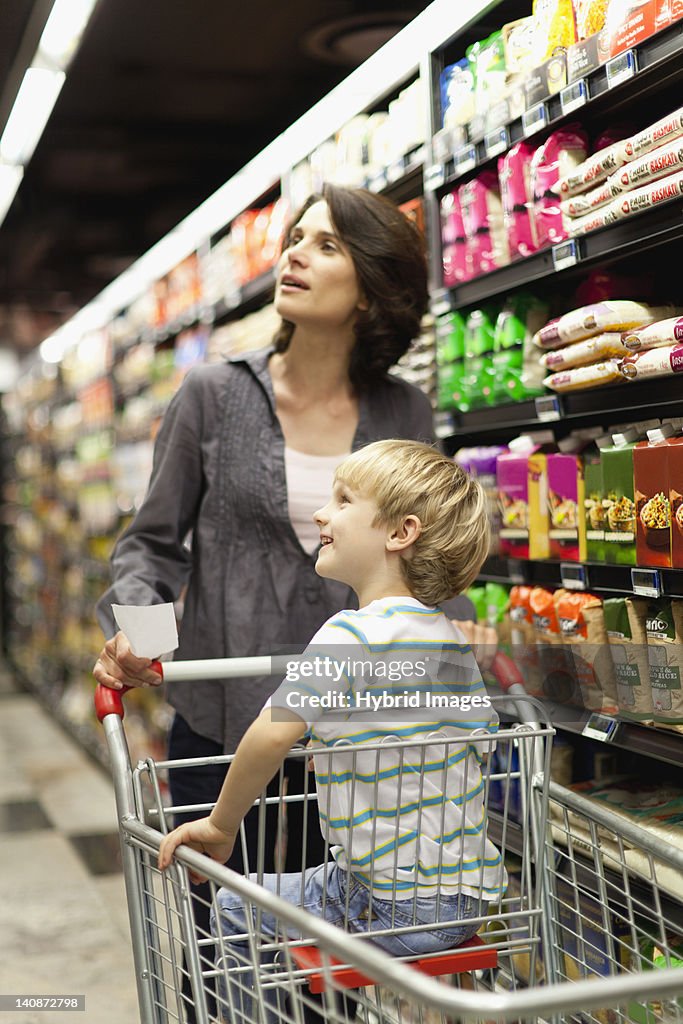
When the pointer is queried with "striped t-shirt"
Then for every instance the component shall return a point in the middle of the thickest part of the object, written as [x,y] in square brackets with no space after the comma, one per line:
[394,693]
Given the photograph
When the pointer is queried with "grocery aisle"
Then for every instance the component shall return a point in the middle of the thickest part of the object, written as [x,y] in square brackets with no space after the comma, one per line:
[63,923]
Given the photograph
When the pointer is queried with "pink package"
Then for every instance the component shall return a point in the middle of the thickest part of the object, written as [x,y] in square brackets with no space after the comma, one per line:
[482,215]
[454,242]
[514,173]
[557,157]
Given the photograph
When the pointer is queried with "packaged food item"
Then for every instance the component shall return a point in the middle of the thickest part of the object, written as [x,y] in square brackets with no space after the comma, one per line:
[582,625]
[583,353]
[676,500]
[482,215]
[654,165]
[554,27]
[588,202]
[583,377]
[653,504]
[562,151]
[477,380]
[655,362]
[629,22]
[566,497]
[539,520]
[457,94]
[450,353]
[522,493]
[558,680]
[523,639]
[518,42]
[649,196]
[625,622]
[620,512]
[610,315]
[514,173]
[482,465]
[456,265]
[590,17]
[592,516]
[602,218]
[487,61]
[516,371]
[664,626]
[592,171]
[658,134]
[658,335]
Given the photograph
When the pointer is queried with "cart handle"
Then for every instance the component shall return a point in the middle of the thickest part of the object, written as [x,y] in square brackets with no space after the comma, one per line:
[506,672]
[110,702]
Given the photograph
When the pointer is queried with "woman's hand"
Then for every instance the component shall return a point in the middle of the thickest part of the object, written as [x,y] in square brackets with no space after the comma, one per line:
[201,835]
[117,666]
[482,639]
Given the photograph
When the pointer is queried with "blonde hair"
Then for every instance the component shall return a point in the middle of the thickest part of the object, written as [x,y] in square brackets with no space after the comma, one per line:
[408,478]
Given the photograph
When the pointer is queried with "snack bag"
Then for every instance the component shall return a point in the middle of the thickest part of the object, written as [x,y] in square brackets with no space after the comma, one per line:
[625,622]
[523,639]
[514,173]
[664,627]
[558,680]
[582,622]
[517,374]
[554,27]
[562,151]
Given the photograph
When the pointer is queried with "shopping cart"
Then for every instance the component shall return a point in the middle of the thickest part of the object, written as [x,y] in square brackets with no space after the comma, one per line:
[583,932]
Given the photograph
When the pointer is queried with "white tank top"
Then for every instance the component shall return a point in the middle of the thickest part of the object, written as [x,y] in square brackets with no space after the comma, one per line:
[309,486]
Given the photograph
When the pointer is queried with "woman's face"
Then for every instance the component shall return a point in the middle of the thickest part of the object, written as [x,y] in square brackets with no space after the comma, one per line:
[316,278]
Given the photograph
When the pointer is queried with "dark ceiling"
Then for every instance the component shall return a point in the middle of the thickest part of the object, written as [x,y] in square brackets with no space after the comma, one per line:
[163,102]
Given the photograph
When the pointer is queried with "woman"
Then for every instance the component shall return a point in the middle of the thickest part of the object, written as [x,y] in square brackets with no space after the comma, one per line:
[237,439]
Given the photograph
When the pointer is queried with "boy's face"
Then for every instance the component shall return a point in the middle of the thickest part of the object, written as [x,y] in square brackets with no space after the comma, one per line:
[353,550]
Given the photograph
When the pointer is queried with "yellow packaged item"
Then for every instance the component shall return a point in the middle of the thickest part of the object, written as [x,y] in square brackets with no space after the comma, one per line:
[582,377]
[554,27]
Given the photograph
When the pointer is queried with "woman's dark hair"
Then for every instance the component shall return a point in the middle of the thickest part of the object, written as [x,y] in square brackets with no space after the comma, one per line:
[388,254]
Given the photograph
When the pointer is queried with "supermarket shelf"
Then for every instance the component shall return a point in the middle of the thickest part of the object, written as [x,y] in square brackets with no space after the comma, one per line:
[600,577]
[659,63]
[662,396]
[636,234]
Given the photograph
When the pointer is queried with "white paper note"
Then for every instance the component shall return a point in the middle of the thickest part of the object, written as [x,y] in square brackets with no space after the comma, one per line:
[151,630]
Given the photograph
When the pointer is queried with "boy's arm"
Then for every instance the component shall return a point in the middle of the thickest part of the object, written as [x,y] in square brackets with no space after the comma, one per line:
[259,755]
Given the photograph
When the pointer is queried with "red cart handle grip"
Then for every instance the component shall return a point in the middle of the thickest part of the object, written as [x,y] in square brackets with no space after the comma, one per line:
[506,672]
[110,702]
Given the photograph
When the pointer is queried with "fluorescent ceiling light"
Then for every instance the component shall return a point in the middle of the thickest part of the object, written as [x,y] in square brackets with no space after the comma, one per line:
[10,180]
[63,30]
[36,97]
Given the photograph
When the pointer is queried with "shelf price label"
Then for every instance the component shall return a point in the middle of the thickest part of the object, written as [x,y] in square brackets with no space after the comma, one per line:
[574,96]
[620,69]
[465,159]
[396,170]
[646,582]
[565,254]
[515,572]
[574,576]
[601,727]
[534,119]
[548,408]
[434,177]
[496,142]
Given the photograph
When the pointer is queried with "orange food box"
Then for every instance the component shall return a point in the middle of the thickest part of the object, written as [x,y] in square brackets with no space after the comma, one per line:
[653,502]
[630,22]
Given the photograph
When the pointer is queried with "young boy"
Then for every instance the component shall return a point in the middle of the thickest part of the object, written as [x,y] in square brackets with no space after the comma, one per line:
[407,529]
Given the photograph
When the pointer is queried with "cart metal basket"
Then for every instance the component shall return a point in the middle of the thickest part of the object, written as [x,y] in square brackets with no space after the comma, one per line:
[586,929]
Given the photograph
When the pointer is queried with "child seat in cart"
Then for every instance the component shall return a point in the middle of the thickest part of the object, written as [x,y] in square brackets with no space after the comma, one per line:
[583,931]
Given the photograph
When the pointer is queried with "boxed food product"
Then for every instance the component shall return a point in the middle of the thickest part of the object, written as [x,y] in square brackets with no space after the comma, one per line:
[545,79]
[653,507]
[664,627]
[482,465]
[554,27]
[609,315]
[588,54]
[565,497]
[620,517]
[582,625]
[562,151]
[629,22]
[522,493]
[592,516]
[625,622]
[676,500]
[514,173]
[539,520]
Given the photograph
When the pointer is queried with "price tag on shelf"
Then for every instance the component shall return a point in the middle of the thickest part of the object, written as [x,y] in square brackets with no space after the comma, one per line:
[565,254]
[646,582]
[548,408]
[515,572]
[601,727]
[496,142]
[574,576]
[434,177]
[574,96]
[378,181]
[465,159]
[534,119]
[620,69]
[396,170]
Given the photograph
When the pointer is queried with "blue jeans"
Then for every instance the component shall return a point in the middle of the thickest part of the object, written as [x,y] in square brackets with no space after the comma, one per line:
[325,896]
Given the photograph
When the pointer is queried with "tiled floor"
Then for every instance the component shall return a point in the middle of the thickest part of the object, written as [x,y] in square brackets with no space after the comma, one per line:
[63,919]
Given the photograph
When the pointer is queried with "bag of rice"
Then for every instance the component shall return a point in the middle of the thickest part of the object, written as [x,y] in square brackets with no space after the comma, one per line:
[665,657]
[625,622]
[655,362]
[592,221]
[582,377]
[658,164]
[585,203]
[649,196]
[583,353]
[611,315]
[592,171]
[658,134]
[664,332]
[581,620]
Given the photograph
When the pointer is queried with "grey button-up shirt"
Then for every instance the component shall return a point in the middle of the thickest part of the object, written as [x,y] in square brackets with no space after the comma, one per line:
[216,518]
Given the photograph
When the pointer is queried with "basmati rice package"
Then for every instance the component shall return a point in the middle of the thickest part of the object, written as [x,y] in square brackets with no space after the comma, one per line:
[583,353]
[592,221]
[648,196]
[587,321]
[658,164]
[658,134]
[583,377]
[514,172]
[664,332]
[585,203]
[655,362]
[562,151]
[592,171]
[482,215]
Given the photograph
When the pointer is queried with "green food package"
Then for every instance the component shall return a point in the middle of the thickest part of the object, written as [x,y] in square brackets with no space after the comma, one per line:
[450,384]
[625,622]
[450,338]
[619,500]
[664,627]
